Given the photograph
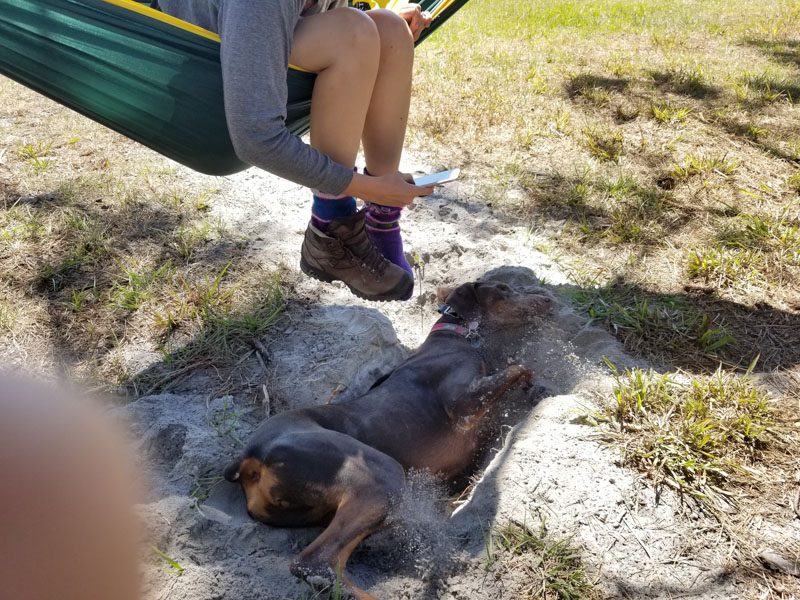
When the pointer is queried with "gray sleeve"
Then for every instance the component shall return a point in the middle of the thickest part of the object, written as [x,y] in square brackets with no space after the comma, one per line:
[256,43]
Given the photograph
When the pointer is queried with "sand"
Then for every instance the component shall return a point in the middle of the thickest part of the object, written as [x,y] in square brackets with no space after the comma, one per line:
[543,463]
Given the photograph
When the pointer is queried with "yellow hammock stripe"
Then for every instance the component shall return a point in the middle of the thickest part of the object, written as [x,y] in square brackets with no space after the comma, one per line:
[440,9]
[165,18]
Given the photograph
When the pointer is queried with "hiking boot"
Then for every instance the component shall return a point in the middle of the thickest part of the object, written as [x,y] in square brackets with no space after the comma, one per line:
[346,254]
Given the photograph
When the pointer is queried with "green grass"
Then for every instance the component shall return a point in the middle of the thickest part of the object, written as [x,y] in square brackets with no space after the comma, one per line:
[223,328]
[551,567]
[762,232]
[669,114]
[174,567]
[37,156]
[135,285]
[705,165]
[8,316]
[704,438]
[663,327]
[604,143]
[723,267]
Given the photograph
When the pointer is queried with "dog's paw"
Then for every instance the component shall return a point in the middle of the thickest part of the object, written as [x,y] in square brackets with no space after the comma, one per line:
[520,375]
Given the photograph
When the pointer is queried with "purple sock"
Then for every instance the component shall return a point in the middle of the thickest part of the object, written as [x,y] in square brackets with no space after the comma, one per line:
[383,228]
[326,208]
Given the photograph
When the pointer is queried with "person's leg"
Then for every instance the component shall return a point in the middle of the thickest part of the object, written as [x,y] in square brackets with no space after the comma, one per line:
[343,47]
[385,127]
[387,117]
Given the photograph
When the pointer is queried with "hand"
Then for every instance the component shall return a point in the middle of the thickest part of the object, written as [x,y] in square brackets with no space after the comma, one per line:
[395,189]
[416,18]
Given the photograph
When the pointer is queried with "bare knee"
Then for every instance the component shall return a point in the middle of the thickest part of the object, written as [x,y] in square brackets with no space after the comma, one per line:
[340,38]
[395,36]
[361,32]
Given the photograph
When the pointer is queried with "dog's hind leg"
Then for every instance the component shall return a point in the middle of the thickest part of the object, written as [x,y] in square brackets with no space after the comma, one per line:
[466,410]
[363,489]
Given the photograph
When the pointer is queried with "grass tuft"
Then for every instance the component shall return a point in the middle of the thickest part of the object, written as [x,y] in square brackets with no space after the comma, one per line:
[551,567]
[661,328]
[704,438]
[605,143]
[723,267]
[704,165]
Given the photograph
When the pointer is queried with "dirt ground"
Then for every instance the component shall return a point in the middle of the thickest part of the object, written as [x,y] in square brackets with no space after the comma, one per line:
[546,465]
[544,462]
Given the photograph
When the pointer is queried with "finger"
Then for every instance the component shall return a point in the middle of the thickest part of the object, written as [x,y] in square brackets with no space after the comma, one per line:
[424,190]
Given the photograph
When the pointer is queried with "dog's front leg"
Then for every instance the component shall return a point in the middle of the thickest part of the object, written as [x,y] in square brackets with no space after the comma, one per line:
[466,410]
[363,489]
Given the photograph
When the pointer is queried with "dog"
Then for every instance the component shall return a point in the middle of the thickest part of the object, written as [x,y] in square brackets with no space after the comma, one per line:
[344,464]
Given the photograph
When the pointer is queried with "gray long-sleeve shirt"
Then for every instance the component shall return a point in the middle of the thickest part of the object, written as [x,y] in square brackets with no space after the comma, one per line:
[256,41]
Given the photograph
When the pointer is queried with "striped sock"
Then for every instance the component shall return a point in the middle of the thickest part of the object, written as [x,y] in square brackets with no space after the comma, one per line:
[383,227]
[326,208]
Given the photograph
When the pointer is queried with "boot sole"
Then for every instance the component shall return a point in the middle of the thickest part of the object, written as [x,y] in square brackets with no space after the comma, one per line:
[325,277]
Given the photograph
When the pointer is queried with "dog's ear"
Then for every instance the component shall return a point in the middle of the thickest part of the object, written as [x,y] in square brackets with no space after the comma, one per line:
[443,292]
[464,301]
[231,472]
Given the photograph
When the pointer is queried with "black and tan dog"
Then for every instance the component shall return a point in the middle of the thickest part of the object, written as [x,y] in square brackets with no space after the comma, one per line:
[343,464]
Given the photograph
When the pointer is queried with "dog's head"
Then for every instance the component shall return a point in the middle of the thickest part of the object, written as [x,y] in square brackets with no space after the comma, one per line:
[494,304]
[257,482]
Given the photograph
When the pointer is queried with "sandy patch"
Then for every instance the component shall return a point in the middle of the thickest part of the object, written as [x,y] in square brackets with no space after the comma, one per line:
[543,462]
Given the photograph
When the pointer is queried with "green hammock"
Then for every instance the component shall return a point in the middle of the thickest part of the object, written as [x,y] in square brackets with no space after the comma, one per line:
[152,78]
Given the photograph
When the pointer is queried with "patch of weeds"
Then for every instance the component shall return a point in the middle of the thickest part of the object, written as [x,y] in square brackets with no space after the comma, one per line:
[794,182]
[627,111]
[794,148]
[134,288]
[78,300]
[203,487]
[704,165]
[36,155]
[763,232]
[604,142]
[687,80]
[578,194]
[560,121]
[189,238]
[669,114]
[550,567]
[722,267]
[701,438]
[621,187]
[754,132]
[588,88]
[624,228]
[652,326]
[223,328]
[225,419]
[767,88]
[19,223]
[89,249]
[669,41]
[8,316]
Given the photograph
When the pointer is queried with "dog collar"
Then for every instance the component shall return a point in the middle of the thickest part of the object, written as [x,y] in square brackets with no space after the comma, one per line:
[446,309]
[454,327]
[469,332]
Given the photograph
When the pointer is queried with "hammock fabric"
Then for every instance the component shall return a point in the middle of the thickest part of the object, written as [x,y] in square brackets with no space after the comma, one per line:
[153,78]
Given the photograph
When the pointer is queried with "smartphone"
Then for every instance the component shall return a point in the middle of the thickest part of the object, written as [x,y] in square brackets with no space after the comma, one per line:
[438,178]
